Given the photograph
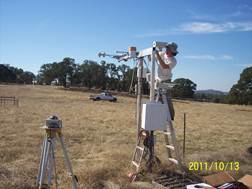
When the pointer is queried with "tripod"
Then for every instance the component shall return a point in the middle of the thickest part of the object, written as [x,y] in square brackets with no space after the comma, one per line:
[47,164]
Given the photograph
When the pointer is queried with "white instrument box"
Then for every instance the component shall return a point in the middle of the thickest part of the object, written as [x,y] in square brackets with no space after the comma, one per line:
[154,116]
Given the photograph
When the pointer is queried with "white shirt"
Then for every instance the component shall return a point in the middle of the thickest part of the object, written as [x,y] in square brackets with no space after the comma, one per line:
[162,74]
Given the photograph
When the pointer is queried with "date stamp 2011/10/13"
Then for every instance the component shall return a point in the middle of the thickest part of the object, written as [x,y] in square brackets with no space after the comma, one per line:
[214,166]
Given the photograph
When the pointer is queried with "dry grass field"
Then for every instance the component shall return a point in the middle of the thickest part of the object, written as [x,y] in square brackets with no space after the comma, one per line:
[100,136]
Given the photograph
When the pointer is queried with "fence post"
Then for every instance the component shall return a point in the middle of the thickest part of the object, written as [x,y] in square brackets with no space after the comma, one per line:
[184,136]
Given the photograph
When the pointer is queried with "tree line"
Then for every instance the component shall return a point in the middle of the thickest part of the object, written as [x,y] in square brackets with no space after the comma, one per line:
[87,74]
[109,76]
[10,74]
[106,76]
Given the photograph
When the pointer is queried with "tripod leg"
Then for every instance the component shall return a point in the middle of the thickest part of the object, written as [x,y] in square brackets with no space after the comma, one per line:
[50,162]
[44,163]
[67,162]
[41,160]
[54,164]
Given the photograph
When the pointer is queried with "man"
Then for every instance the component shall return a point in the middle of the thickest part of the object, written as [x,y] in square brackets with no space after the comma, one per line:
[166,62]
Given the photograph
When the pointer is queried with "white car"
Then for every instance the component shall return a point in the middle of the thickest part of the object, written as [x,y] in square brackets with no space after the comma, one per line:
[103,96]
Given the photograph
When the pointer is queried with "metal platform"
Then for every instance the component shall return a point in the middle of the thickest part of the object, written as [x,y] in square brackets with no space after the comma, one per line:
[174,180]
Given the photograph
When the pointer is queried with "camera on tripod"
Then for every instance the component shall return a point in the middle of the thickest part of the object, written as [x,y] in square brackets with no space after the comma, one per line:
[53,122]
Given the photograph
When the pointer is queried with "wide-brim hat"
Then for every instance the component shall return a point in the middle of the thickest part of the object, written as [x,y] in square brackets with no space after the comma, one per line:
[172,47]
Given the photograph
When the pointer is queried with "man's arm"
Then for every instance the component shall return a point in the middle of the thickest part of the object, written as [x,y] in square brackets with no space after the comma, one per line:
[161,62]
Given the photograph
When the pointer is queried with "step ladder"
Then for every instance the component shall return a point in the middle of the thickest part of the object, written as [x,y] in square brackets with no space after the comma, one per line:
[140,151]
[170,144]
[169,133]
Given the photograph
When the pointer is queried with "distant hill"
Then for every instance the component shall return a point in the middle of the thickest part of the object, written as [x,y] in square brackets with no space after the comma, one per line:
[211,91]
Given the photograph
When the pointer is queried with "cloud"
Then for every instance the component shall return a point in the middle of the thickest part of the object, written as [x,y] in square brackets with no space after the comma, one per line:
[245,65]
[207,27]
[208,57]
[157,33]
[201,28]
[201,16]
[242,11]
[200,57]
[226,57]
[207,24]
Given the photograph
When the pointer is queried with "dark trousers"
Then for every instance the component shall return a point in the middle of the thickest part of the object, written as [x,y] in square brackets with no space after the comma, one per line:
[167,93]
[170,104]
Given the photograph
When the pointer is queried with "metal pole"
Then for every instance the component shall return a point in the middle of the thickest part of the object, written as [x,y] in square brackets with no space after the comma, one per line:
[139,94]
[184,136]
[152,99]
[152,155]
[152,85]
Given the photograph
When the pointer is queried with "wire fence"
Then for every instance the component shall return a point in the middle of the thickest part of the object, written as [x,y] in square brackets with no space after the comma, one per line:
[9,100]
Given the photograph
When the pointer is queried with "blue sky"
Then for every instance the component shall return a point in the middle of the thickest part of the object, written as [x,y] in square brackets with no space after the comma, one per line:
[214,37]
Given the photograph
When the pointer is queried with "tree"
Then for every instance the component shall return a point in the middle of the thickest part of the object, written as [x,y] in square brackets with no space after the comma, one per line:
[11,74]
[113,76]
[122,75]
[104,76]
[241,92]
[93,74]
[76,77]
[65,67]
[89,74]
[130,77]
[49,72]
[27,77]
[18,72]
[184,88]
[6,75]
